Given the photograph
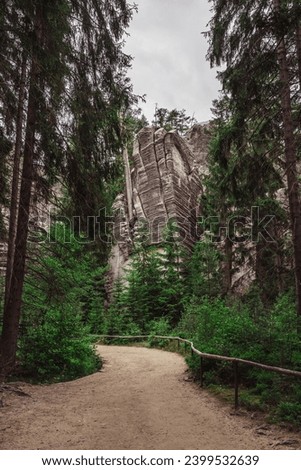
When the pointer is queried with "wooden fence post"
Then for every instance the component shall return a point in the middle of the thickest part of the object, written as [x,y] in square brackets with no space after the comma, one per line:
[236,384]
[202,372]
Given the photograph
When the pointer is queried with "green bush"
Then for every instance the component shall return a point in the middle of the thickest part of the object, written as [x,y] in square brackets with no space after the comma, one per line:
[120,324]
[117,318]
[219,329]
[58,348]
[96,316]
[289,412]
[158,327]
[270,337]
[62,305]
[283,338]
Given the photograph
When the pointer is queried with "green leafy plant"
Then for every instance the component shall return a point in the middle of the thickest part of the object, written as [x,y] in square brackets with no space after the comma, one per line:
[58,348]
[63,304]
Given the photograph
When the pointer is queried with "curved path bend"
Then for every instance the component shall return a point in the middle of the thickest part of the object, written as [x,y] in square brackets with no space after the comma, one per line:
[140,400]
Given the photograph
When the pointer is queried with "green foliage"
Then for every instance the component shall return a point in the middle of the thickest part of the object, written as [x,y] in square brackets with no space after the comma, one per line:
[290,413]
[58,347]
[63,297]
[282,331]
[76,84]
[154,286]
[204,275]
[66,273]
[247,142]
[265,336]
[118,318]
[173,120]
[256,110]
[219,329]
[160,327]
[243,176]
[100,92]
[245,328]
[145,281]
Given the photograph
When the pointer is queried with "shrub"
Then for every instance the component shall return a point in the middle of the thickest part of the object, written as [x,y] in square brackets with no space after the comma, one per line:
[117,319]
[159,327]
[289,412]
[219,329]
[269,337]
[58,348]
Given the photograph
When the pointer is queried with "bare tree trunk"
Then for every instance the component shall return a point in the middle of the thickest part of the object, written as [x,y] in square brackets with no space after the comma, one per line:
[15,179]
[128,183]
[227,266]
[298,41]
[12,311]
[291,161]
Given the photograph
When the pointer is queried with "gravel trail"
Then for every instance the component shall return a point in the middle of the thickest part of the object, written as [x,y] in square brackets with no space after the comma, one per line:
[141,399]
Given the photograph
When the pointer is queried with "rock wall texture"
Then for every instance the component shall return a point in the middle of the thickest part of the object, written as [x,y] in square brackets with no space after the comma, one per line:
[165,171]
[198,138]
[39,220]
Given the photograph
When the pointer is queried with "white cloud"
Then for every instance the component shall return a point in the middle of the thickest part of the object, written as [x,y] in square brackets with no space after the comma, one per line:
[169,56]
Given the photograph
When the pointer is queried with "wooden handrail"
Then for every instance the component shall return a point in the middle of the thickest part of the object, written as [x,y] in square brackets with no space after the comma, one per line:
[235,360]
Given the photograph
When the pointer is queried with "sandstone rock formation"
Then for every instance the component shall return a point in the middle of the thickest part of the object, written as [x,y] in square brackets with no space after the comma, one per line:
[198,138]
[162,184]
[41,211]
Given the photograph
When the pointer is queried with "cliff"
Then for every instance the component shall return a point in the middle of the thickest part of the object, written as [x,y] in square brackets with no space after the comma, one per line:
[163,183]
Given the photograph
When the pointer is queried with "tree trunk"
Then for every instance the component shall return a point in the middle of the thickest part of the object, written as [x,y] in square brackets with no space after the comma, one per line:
[291,161]
[128,183]
[12,308]
[15,179]
[298,41]
[12,311]
[227,266]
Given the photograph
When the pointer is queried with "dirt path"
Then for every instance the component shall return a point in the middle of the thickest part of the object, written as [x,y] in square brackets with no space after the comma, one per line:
[140,400]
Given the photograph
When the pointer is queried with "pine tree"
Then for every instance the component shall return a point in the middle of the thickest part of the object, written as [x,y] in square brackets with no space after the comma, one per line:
[173,120]
[173,260]
[244,36]
[14,198]
[76,86]
[12,309]
[99,93]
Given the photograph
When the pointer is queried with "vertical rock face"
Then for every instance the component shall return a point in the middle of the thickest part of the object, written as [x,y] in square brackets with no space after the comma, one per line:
[166,186]
[39,222]
[198,138]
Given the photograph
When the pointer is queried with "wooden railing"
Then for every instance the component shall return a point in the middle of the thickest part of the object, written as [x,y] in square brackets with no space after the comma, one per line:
[234,360]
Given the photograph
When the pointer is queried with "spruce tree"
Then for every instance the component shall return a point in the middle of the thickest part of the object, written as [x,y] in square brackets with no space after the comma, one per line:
[257,43]
[75,89]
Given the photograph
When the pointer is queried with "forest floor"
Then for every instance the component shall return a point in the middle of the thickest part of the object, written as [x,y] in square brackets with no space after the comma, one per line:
[141,399]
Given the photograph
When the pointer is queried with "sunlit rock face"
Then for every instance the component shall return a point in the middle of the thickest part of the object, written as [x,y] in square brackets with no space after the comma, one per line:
[162,185]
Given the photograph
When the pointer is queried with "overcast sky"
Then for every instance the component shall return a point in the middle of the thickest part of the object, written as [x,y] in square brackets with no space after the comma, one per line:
[169,56]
